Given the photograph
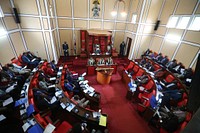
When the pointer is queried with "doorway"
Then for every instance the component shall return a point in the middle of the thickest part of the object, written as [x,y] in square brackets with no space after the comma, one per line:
[127,47]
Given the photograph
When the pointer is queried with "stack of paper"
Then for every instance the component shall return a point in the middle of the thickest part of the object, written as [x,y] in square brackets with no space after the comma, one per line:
[103,121]
[49,128]
[8,101]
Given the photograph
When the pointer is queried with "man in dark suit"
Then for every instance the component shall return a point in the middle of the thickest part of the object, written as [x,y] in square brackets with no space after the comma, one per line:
[65,49]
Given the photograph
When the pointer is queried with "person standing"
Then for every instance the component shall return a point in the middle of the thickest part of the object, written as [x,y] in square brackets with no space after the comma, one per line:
[65,49]
[122,46]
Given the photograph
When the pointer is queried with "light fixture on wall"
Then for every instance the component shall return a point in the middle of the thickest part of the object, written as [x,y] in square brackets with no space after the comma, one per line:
[1,12]
[114,11]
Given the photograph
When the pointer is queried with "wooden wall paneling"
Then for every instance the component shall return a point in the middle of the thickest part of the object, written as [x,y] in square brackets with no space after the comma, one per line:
[6,53]
[186,53]
[119,37]
[198,10]
[129,27]
[109,4]
[167,10]
[30,23]
[154,11]
[43,11]
[49,46]
[120,26]
[169,47]
[133,9]
[192,36]
[10,23]
[5,5]
[78,40]
[64,23]
[63,8]
[22,7]
[56,42]
[145,40]
[121,8]
[44,21]
[36,46]
[81,8]
[156,44]
[95,24]
[161,30]
[108,25]
[80,24]
[183,7]
[17,42]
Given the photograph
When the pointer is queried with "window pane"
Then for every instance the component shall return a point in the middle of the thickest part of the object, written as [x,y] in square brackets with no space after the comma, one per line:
[183,22]
[172,22]
[195,24]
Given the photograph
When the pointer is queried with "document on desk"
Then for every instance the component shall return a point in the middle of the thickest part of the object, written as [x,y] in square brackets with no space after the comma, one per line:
[70,107]
[8,101]
[34,70]
[51,86]
[9,89]
[26,126]
[63,105]
[58,93]
[22,111]
[49,128]
[103,121]
[59,73]
[2,117]
[91,94]
[53,100]
[53,78]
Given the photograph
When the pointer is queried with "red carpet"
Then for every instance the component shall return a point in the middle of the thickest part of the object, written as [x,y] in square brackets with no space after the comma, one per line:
[122,116]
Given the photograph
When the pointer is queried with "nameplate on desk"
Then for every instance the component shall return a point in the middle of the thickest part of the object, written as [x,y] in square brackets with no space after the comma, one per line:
[8,101]
[60,68]
[34,70]
[53,78]
[63,105]
[49,128]
[70,107]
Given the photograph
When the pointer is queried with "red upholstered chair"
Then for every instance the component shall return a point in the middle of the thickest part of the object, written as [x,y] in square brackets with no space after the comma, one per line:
[169,78]
[156,66]
[64,127]
[135,68]
[41,120]
[130,66]
[139,73]
[148,86]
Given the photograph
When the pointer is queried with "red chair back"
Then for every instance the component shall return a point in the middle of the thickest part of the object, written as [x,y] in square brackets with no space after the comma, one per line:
[130,66]
[41,120]
[169,78]
[136,68]
[149,85]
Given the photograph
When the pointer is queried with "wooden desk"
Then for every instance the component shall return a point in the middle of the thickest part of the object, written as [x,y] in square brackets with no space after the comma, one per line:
[91,69]
[104,75]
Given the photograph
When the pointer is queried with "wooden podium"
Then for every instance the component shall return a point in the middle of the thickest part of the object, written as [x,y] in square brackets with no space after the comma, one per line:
[104,75]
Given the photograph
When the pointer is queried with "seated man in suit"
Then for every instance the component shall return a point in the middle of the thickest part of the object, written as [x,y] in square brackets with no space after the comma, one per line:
[53,65]
[159,57]
[164,61]
[171,64]
[29,61]
[46,86]
[140,80]
[50,71]
[43,100]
